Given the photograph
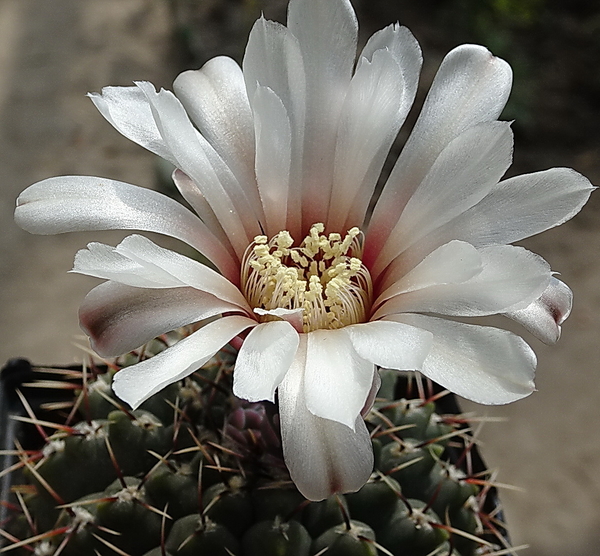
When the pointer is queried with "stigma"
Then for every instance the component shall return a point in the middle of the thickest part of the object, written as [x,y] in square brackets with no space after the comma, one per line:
[320,283]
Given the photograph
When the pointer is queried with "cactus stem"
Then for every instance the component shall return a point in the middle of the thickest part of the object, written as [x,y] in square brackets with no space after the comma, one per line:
[381,548]
[79,503]
[111,364]
[509,551]
[39,423]
[225,450]
[38,477]
[64,543]
[155,510]
[163,530]
[111,546]
[222,469]
[108,531]
[26,512]
[344,512]
[404,465]
[31,414]
[52,385]
[392,430]
[19,464]
[115,463]
[463,433]
[461,533]
[436,397]
[30,540]
[8,536]
[491,483]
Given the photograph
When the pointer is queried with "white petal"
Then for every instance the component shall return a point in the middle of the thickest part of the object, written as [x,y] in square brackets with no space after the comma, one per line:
[323,456]
[196,158]
[273,60]
[216,100]
[103,261]
[120,318]
[194,196]
[82,203]
[137,383]
[263,360]
[392,345]
[273,158]
[399,43]
[372,395]
[521,207]
[544,316]
[327,35]
[127,109]
[511,278]
[452,263]
[371,116]
[337,379]
[292,316]
[480,363]
[464,173]
[471,87]
[139,262]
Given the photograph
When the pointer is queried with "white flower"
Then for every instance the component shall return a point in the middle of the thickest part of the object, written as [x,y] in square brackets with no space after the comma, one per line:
[280,163]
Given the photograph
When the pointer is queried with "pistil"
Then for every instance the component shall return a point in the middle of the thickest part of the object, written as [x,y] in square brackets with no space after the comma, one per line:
[323,278]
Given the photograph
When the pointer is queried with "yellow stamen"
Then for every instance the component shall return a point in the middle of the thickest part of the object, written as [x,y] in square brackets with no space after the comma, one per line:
[323,276]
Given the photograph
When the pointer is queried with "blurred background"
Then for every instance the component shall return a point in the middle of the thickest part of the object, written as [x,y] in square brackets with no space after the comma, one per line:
[52,52]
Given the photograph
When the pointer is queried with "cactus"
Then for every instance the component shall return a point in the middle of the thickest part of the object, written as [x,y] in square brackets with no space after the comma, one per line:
[196,471]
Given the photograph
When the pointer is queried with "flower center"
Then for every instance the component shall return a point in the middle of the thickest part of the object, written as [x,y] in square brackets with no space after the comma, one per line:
[322,281]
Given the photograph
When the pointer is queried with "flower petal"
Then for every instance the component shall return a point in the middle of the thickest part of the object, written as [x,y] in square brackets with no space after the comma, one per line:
[273,60]
[524,205]
[370,401]
[273,158]
[464,173]
[337,379]
[292,316]
[323,456]
[391,345]
[483,364]
[263,360]
[471,87]
[82,203]
[372,113]
[196,158]
[137,383]
[139,262]
[511,278]
[194,196]
[216,100]
[452,263]
[544,316]
[327,35]
[399,43]
[119,318]
[127,109]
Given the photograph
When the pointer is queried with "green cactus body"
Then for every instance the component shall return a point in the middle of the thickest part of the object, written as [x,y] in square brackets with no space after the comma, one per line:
[276,538]
[351,539]
[197,472]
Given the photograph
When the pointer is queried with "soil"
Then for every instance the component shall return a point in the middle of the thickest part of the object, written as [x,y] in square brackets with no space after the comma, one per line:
[53,52]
